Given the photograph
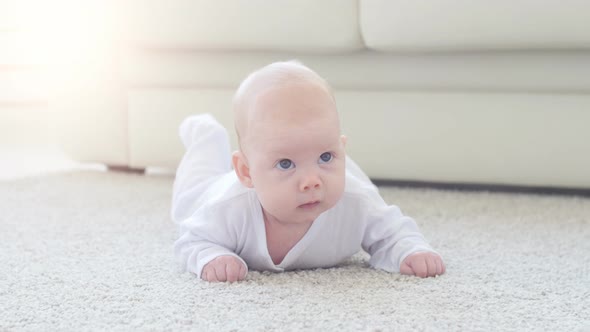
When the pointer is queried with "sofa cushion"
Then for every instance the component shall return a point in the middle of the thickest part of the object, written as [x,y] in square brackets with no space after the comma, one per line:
[424,25]
[292,25]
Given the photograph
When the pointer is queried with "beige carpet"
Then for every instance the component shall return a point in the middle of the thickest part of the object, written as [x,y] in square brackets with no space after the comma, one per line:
[93,251]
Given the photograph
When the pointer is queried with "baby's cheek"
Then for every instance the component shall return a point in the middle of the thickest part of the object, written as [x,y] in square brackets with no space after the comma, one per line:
[274,200]
[272,191]
[336,188]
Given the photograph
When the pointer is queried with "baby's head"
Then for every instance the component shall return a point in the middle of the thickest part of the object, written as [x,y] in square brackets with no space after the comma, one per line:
[291,149]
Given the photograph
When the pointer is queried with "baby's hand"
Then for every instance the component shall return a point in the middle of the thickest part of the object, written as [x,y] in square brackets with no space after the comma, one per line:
[224,268]
[423,264]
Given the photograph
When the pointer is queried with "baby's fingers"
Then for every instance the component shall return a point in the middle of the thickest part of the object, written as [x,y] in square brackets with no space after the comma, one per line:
[406,269]
[232,271]
[420,267]
[208,274]
[440,266]
[220,272]
[431,265]
[243,271]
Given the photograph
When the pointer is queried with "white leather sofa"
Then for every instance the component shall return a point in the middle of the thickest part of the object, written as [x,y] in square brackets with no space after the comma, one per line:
[459,91]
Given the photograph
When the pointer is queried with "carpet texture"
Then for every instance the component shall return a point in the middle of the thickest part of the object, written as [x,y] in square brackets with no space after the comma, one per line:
[93,251]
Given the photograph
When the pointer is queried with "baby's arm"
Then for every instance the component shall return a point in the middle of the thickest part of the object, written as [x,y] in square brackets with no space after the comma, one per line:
[396,245]
[205,248]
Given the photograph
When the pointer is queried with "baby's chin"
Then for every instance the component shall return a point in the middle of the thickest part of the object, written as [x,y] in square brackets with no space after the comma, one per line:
[318,210]
[305,214]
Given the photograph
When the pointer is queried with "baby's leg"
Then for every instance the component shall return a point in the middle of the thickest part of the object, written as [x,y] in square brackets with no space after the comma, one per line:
[207,157]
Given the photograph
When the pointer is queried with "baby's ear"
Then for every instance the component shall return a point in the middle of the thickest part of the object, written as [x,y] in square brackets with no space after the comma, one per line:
[343,140]
[241,168]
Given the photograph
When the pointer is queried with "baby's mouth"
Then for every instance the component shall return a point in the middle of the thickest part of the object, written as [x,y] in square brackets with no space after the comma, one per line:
[309,205]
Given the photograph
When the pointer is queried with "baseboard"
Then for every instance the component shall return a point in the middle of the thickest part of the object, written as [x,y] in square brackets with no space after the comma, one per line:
[545,190]
[125,169]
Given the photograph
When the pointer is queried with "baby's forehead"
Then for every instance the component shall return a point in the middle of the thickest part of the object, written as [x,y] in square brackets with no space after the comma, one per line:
[290,132]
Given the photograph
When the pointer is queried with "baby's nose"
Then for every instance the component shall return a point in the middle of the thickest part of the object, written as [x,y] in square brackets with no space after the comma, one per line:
[310,181]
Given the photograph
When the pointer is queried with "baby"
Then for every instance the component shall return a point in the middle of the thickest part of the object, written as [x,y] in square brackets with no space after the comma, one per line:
[293,200]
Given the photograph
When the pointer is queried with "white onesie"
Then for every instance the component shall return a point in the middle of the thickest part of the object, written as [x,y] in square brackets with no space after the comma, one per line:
[217,215]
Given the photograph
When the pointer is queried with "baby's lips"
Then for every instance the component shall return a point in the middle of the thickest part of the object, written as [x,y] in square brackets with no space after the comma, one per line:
[309,204]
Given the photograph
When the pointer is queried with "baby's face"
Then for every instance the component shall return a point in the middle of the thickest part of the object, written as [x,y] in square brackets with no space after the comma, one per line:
[295,153]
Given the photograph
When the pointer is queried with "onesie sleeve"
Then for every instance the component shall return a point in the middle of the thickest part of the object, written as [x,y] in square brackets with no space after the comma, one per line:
[390,236]
[204,237]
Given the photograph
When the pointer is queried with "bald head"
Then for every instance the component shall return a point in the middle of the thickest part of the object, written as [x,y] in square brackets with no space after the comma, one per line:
[261,97]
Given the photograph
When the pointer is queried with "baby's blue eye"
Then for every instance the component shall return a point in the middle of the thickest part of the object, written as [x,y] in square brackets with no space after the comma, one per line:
[326,157]
[284,164]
